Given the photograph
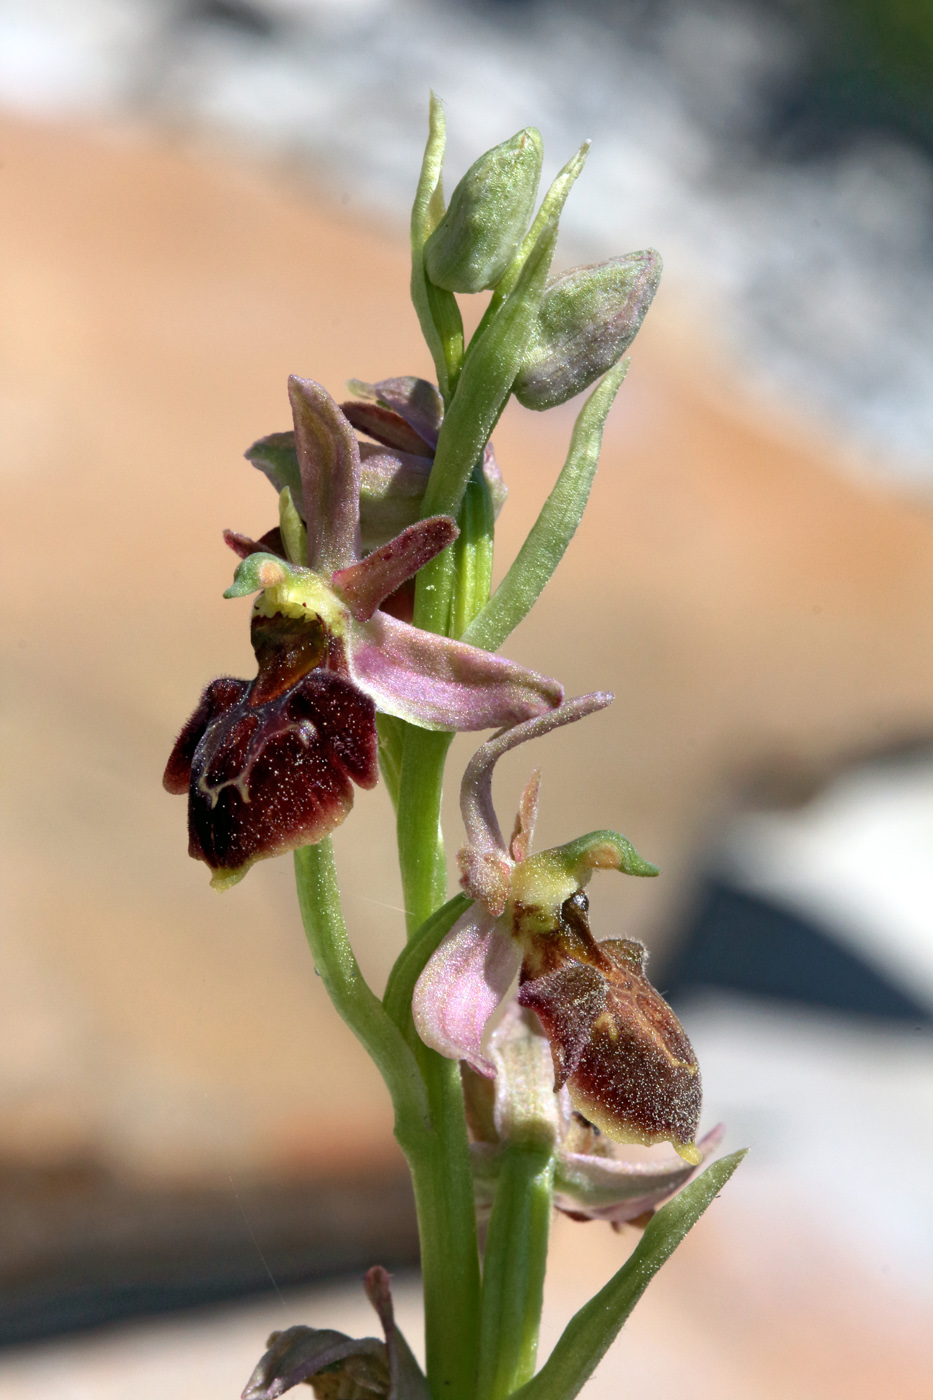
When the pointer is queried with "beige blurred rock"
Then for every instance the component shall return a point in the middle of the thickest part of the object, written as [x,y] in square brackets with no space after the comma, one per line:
[761,613]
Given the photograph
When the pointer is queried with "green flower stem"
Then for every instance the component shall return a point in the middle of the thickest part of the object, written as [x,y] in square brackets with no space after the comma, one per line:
[589,1334]
[513,1271]
[472,551]
[319,901]
[555,526]
[443,1185]
[488,375]
[430,1127]
[420,841]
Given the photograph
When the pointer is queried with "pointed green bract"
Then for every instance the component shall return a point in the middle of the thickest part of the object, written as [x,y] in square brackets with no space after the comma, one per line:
[555,527]
[590,1333]
[437,318]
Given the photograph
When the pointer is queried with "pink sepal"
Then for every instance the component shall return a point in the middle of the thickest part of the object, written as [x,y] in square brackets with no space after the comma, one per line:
[438,683]
[617,1190]
[329,461]
[461,986]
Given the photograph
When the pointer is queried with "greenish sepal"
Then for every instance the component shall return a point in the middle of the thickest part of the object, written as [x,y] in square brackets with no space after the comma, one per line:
[411,962]
[551,209]
[427,212]
[256,572]
[590,1332]
[485,383]
[588,318]
[276,457]
[555,526]
[292,527]
[488,215]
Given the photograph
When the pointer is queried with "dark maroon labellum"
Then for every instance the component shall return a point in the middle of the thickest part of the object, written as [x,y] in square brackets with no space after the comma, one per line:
[269,765]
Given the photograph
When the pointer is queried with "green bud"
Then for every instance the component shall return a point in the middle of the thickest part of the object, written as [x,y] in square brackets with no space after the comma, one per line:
[588,318]
[488,216]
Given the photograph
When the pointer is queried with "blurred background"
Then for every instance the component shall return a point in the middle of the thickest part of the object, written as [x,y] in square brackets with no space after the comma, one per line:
[200,197]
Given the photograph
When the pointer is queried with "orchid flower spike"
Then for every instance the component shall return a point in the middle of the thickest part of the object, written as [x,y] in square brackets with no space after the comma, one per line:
[615,1043]
[592,1180]
[269,764]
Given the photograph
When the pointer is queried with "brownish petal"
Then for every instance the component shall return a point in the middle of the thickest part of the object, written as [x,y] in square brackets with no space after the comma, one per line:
[268,778]
[384,426]
[245,545]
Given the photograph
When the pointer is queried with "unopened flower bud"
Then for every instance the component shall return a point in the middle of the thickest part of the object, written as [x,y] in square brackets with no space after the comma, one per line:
[488,216]
[589,317]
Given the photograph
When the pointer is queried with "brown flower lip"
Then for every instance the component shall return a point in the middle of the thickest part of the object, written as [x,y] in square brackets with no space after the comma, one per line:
[268,765]
[615,1042]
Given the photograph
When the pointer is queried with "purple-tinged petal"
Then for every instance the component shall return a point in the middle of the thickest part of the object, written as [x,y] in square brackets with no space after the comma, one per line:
[486,876]
[300,1353]
[406,1379]
[476,805]
[613,1189]
[524,830]
[415,400]
[461,986]
[366,584]
[244,545]
[329,459]
[386,426]
[438,683]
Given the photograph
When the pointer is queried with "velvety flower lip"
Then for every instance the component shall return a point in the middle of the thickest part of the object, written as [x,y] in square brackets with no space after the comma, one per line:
[270,764]
[592,1181]
[615,1045]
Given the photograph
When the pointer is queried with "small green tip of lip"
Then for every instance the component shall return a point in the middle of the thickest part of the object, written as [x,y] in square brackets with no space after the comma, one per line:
[223,879]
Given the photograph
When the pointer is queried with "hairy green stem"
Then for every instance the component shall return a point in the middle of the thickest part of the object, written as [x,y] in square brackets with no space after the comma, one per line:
[443,1185]
[325,930]
[513,1271]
